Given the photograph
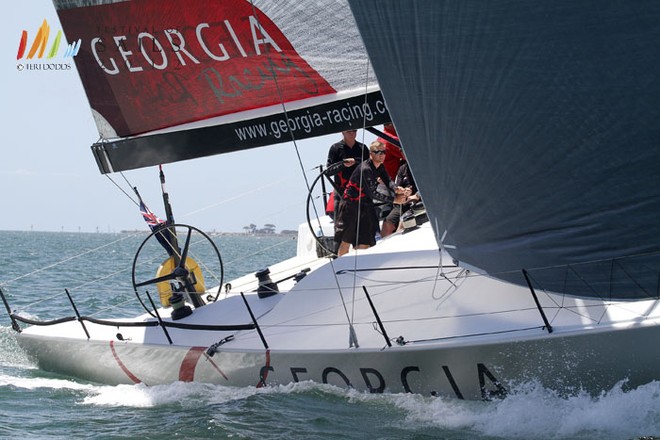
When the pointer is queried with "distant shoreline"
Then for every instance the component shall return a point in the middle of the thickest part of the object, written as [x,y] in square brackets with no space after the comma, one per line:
[283,233]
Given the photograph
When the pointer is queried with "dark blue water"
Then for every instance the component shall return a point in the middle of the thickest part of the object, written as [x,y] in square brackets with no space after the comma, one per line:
[35,267]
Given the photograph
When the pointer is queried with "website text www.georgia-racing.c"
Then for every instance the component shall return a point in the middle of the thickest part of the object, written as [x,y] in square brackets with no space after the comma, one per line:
[309,121]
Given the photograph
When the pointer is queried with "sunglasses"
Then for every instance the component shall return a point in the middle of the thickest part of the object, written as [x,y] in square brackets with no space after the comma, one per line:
[378,152]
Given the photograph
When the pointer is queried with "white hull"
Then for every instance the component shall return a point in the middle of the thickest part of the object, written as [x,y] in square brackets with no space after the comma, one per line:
[467,336]
[568,363]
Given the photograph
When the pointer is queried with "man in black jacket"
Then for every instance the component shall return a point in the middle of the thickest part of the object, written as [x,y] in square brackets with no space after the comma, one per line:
[350,152]
[356,222]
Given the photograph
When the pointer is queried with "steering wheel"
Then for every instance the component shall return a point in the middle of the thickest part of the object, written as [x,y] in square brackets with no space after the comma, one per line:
[330,171]
[179,271]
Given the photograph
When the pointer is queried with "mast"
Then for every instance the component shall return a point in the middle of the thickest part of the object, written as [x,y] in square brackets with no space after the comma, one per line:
[172,238]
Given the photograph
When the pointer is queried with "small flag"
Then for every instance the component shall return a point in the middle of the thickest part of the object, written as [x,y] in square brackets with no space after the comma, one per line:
[152,219]
[163,235]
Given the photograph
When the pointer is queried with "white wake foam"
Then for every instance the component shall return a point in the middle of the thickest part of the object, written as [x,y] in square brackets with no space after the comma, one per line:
[535,412]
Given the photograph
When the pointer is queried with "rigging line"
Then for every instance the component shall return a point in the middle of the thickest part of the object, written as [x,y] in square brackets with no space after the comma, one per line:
[125,269]
[287,323]
[235,197]
[605,304]
[277,86]
[257,253]
[114,306]
[443,338]
[130,185]
[440,271]
[457,271]
[55,295]
[96,280]
[577,265]
[34,303]
[293,139]
[273,67]
[548,296]
[357,233]
[385,282]
[465,315]
[212,274]
[122,189]
[351,318]
[438,274]
[286,116]
[89,251]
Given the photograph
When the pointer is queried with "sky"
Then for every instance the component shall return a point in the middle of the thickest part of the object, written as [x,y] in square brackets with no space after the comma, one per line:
[50,180]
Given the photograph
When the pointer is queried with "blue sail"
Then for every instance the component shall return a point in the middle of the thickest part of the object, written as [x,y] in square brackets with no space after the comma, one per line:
[533,131]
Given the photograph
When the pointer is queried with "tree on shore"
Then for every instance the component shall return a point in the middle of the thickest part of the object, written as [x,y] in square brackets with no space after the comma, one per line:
[268,229]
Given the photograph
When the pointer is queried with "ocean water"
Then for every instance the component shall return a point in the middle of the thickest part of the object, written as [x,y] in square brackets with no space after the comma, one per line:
[35,267]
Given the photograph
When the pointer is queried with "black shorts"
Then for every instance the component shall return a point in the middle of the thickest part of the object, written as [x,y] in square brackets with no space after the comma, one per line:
[394,216]
[351,229]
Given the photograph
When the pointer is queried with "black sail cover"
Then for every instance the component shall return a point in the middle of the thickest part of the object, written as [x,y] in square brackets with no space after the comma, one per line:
[532,128]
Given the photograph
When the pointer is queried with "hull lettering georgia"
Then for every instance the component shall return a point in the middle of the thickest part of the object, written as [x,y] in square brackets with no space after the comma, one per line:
[374,381]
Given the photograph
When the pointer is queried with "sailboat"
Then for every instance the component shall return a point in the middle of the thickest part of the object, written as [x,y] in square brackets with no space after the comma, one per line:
[532,131]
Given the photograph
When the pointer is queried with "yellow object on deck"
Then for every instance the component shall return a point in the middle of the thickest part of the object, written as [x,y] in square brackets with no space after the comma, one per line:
[168,266]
